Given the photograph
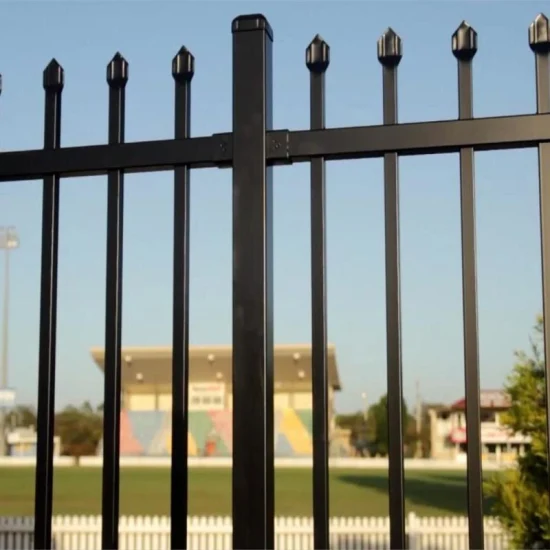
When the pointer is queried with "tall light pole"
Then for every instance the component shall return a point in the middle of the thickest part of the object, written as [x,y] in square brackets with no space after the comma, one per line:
[365,405]
[9,241]
[418,452]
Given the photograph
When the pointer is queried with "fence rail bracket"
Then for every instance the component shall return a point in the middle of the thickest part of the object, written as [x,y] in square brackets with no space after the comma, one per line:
[278,148]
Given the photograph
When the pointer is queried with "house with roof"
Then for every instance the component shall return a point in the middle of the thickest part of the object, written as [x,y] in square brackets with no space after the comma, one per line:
[448,436]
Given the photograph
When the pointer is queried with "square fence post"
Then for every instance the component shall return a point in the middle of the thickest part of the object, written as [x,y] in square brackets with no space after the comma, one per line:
[253,444]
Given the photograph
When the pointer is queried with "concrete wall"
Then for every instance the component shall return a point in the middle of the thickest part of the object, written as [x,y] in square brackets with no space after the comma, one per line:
[30,461]
[219,462]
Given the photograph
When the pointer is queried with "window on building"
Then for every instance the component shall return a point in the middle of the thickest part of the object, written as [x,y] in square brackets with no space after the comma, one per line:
[206,402]
[488,416]
[491,448]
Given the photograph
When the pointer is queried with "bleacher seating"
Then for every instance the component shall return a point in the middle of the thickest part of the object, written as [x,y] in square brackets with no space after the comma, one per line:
[210,433]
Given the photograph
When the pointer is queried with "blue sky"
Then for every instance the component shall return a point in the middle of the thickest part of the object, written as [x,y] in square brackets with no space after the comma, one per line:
[84,36]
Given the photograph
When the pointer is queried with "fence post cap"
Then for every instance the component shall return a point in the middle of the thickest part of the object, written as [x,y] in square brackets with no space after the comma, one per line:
[317,55]
[464,42]
[539,34]
[53,76]
[390,48]
[117,71]
[252,22]
[183,65]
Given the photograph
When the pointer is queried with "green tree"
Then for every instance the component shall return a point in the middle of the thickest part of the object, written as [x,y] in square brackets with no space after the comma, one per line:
[377,417]
[520,494]
[348,421]
[22,416]
[80,429]
[361,430]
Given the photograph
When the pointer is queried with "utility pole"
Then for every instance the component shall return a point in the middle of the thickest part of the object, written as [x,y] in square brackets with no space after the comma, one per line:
[418,452]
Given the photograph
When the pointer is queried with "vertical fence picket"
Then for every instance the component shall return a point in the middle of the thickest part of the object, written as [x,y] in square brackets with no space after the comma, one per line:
[183,68]
[539,41]
[464,47]
[124,534]
[253,443]
[192,532]
[389,55]
[317,61]
[117,77]
[53,80]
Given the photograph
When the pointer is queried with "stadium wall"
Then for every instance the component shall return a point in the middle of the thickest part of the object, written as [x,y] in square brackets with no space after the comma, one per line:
[149,433]
[146,420]
[162,401]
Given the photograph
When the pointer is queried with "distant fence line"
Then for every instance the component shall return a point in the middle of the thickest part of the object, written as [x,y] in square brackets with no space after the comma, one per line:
[226,462]
[214,533]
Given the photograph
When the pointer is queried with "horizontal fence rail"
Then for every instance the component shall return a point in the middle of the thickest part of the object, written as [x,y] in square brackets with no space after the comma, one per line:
[283,147]
[291,533]
[251,150]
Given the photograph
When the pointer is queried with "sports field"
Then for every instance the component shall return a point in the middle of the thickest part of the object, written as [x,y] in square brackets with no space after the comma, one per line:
[145,491]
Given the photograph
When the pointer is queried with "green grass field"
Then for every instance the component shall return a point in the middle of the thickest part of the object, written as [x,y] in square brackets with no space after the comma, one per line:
[145,491]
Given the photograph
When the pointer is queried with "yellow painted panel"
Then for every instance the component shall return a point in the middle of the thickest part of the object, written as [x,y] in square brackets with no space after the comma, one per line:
[296,433]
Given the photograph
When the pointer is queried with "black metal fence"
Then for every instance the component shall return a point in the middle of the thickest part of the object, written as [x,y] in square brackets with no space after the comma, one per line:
[252,149]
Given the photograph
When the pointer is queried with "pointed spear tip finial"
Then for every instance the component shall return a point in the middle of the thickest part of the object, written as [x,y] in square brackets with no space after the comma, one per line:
[117,71]
[389,48]
[53,76]
[183,65]
[539,34]
[464,42]
[317,55]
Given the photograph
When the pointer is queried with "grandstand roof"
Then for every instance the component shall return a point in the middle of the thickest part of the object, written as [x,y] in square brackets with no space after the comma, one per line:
[153,365]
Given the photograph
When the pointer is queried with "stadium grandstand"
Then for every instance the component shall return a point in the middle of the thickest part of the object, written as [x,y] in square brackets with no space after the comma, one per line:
[146,420]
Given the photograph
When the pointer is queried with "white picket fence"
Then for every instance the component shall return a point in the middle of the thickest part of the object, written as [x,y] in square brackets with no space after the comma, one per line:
[214,533]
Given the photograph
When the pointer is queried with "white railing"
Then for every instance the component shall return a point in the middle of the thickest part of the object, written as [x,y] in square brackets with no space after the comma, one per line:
[214,533]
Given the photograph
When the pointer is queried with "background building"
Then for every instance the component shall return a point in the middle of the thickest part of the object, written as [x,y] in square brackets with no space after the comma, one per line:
[146,420]
[448,430]
[22,442]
